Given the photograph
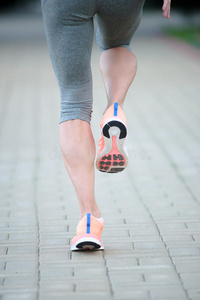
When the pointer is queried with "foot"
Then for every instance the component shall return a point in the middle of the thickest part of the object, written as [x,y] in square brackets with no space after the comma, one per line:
[112,156]
[88,235]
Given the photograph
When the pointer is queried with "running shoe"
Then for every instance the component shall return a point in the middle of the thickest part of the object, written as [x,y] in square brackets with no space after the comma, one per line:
[112,156]
[88,231]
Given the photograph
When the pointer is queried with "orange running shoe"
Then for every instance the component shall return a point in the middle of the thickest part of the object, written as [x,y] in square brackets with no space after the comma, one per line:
[112,156]
[88,231]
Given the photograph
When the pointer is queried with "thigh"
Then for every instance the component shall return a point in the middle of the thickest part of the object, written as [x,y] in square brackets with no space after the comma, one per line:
[117,22]
[69,32]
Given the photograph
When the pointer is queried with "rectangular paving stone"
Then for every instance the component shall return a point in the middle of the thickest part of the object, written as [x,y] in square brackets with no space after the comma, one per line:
[2,279]
[148,245]
[150,252]
[113,220]
[52,223]
[180,244]
[22,249]
[166,293]
[146,238]
[59,295]
[195,259]
[137,254]
[135,293]
[138,220]
[18,230]
[188,267]
[24,237]
[163,277]
[178,219]
[2,264]
[117,233]
[53,288]
[60,272]
[155,269]
[190,212]
[139,225]
[17,295]
[185,231]
[19,257]
[124,278]
[190,280]
[151,261]
[56,234]
[100,285]
[124,261]
[91,271]
[23,223]
[143,232]
[59,258]
[20,281]
[184,251]
[21,214]
[179,238]
[94,256]
[171,225]
[53,229]
[3,224]
[113,244]
[55,241]
[196,237]
[3,250]
[192,225]
[21,266]
[194,293]
[3,237]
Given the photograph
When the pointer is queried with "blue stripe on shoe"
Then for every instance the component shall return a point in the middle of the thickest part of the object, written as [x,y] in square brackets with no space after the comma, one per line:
[115,109]
[88,223]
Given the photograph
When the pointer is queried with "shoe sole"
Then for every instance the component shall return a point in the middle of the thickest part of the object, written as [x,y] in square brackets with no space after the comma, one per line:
[113,158]
[87,243]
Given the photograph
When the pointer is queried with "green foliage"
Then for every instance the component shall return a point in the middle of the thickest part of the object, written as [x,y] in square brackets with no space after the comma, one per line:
[190,35]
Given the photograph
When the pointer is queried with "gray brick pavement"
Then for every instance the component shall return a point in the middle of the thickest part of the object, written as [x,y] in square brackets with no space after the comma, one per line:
[151,211]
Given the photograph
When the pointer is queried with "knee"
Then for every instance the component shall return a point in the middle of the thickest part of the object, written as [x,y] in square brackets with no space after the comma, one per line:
[76,103]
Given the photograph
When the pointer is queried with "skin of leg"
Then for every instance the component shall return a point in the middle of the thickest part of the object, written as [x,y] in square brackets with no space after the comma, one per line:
[118,68]
[78,151]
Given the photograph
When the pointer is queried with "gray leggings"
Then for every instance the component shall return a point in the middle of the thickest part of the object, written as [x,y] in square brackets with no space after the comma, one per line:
[69,31]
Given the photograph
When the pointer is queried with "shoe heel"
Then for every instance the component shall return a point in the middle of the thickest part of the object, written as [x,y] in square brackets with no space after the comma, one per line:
[114,159]
[110,127]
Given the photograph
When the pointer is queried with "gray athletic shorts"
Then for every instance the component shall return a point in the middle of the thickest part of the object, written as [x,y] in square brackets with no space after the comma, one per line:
[69,31]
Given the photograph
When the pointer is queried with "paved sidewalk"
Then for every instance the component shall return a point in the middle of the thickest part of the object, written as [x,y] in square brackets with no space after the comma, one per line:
[151,210]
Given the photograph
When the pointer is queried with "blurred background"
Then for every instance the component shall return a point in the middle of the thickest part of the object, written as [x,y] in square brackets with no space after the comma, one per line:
[184,5]
[21,19]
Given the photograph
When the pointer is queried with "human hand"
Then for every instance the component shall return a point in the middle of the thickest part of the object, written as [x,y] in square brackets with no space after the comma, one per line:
[166,8]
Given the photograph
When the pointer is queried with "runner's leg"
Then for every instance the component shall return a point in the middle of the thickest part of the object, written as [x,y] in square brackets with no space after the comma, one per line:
[69,32]
[118,20]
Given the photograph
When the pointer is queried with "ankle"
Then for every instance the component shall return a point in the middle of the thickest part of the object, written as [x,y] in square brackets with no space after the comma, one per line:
[111,102]
[95,213]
